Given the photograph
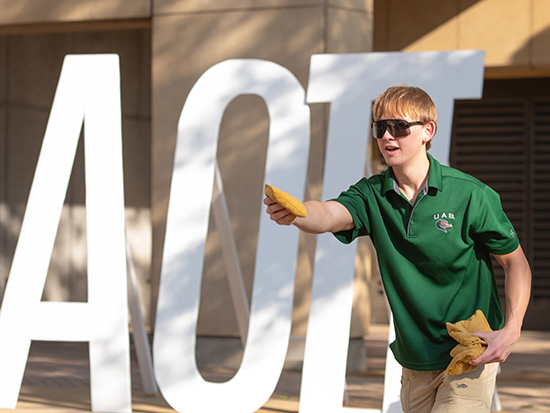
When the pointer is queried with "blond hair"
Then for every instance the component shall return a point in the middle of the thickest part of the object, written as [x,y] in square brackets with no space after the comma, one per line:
[408,101]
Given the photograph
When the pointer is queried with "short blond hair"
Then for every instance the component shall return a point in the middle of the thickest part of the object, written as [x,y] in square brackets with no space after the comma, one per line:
[406,101]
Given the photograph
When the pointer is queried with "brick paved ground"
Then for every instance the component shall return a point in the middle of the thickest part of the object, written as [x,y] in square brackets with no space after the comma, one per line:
[57,380]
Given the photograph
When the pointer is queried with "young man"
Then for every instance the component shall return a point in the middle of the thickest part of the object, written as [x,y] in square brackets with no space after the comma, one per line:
[434,229]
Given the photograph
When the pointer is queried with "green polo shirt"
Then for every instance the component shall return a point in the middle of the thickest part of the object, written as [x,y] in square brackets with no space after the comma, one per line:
[434,256]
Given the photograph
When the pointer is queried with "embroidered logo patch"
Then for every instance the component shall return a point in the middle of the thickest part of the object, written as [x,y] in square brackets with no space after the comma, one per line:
[443,225]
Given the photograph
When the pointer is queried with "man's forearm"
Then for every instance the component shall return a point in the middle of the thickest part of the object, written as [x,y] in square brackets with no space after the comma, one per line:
[517,290]
[324,217]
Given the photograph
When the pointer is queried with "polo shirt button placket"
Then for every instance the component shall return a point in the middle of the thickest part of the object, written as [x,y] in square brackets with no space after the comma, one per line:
[411,228]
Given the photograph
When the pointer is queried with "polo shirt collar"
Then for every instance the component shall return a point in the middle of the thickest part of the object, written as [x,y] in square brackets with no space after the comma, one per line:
[434,178]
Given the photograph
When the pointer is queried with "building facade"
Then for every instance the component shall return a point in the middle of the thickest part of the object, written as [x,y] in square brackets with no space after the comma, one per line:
[165,46]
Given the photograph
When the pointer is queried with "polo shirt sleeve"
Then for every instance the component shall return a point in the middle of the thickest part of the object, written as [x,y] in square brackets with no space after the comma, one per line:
[355,201]
[492,227]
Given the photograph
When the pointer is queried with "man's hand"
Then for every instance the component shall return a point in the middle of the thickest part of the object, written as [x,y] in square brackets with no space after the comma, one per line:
[277,213]
[499,346]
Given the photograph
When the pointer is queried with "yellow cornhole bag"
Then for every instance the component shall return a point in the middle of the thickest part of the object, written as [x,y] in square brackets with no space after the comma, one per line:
[469,346]
[288,202]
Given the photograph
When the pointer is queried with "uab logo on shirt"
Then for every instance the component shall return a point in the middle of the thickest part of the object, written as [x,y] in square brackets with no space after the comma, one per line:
[442,221]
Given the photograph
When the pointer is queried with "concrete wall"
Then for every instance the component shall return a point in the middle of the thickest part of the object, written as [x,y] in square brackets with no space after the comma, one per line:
[64,11]
[514,33]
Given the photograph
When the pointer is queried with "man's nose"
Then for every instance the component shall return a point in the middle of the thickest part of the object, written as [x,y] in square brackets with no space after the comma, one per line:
[387,134]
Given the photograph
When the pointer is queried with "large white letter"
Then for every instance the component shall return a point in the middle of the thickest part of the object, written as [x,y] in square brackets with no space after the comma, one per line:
[89,88]
[350,83]
[190,198]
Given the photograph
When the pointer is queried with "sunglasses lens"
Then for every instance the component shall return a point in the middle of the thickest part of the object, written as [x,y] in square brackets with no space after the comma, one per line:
[378,129]
[397,128]
[400,128]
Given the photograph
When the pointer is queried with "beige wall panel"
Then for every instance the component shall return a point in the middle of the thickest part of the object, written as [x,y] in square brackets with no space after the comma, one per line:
[25,129]
[54,11]
[541,32]
[3,69]
[183,48]
[34,68]
[136,133]
[350,5]
[361,314]
[3,207]
[349,31]
[513,33]
[179,6]
[401,24]
[443,37]
[3,144]
[500,27]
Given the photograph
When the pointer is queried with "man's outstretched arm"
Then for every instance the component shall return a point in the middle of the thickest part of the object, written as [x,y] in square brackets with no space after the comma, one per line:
[330,216]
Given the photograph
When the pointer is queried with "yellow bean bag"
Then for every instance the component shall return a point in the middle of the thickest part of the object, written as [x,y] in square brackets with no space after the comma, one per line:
[287,201]
[470,346]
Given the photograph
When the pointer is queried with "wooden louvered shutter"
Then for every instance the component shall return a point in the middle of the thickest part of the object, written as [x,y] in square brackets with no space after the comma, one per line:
[540,208]
[491,142]
[506,144]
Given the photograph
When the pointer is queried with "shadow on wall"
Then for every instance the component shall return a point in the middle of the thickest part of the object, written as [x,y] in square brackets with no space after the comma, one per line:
[55,12]
[427,16]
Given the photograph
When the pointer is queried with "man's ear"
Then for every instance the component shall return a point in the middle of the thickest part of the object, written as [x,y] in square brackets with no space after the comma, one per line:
[429,132]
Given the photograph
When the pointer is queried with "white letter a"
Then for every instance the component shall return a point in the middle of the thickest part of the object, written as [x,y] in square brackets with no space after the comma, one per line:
[89,88]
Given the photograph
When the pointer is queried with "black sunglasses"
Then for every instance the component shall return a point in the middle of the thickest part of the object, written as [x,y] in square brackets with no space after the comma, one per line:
[397,127]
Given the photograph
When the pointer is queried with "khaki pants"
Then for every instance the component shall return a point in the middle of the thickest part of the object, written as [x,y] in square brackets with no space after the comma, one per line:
[433,391]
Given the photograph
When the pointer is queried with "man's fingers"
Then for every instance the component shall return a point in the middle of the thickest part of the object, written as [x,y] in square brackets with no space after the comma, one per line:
[480,360]
[497,350]
[273,207]
[283,217]
[278,213]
